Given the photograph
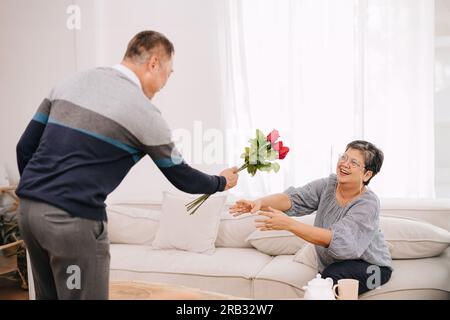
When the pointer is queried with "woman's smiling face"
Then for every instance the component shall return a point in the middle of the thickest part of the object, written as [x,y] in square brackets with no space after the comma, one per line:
[350,167]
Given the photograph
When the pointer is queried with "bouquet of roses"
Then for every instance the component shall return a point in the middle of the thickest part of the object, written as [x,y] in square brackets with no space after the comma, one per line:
[260,155]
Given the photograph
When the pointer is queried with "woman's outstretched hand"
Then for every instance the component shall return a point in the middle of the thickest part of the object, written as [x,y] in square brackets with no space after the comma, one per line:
[273,220]
[244,206]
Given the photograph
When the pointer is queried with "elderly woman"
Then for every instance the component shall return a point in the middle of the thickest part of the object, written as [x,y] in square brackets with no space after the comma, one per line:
[346,234]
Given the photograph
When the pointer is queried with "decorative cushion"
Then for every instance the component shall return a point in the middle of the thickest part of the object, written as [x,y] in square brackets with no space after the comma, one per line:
[131,225]
[406,239]
[307,256]
[278,242]
[195,233]
[234,231]
[412,239]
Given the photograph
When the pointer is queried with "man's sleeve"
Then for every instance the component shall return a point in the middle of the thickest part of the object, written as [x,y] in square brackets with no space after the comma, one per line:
[30,139]
[180,174]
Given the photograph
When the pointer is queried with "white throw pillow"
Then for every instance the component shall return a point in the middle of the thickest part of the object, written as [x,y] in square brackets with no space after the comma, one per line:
[234,231]
[180,230]
[406,239]
[278,242]
[131,225]
[412,239]
[307,255]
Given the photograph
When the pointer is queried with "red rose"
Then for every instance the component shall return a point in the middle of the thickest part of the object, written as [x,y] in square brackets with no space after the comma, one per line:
[283,152]
[273,136]
[277,145]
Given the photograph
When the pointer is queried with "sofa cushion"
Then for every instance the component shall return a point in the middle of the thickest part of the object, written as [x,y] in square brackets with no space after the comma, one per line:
[429,274]
[279,242]
[406,238]
[428,277]
[180,230]
[276,242]
[282,278]
[411,239]
[127,224]
[225,262]
[228,270]
[234,231]
[307,255]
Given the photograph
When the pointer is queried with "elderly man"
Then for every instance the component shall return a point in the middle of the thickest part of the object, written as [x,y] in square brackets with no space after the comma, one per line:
[83,140]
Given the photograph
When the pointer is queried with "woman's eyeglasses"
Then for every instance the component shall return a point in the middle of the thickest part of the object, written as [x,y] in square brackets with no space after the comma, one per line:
[353,162]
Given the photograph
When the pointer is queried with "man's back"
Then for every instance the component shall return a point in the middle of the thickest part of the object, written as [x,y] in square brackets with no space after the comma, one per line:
[98,124]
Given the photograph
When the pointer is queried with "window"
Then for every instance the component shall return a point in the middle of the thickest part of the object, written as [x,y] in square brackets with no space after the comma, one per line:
[325,73]
[442,97]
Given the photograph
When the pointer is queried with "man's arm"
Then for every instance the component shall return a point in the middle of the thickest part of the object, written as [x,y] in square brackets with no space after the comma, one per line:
[30,139]
[186,178]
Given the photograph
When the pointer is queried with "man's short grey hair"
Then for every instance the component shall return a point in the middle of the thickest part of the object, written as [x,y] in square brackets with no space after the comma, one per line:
[145,44]
[373,156]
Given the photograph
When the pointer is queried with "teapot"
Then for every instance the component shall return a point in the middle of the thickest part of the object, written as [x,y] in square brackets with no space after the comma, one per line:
[319,289]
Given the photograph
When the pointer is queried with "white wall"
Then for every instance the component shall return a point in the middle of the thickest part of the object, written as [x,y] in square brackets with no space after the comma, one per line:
[41,51]
[37,50]
[193,91]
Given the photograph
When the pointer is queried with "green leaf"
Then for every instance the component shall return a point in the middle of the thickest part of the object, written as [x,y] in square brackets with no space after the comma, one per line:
[253,152]
[251,169]
[260,136]
[265,167]
[272,155]
[275,167]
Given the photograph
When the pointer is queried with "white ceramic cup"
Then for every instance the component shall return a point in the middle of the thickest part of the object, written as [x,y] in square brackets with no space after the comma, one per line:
[348,289]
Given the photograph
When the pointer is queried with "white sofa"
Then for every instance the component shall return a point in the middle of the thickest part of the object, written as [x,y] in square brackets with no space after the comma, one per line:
[236,268]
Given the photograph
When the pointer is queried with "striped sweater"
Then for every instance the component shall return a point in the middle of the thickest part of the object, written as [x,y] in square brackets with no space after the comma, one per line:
[85,137]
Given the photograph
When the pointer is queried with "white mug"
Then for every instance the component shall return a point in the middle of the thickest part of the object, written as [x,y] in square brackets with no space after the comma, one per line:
[348,289]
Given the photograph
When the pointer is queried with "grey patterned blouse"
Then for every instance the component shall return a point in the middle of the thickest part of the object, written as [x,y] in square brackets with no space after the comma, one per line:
[355,227]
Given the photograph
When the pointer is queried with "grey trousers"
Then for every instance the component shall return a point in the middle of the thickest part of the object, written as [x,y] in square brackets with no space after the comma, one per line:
[69,255]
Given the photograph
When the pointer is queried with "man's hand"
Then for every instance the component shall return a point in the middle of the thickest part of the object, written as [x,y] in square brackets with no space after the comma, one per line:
[244,206]
[231,175]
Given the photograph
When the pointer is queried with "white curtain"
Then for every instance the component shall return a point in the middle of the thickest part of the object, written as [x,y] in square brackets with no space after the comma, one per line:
[398,94]
[326,72]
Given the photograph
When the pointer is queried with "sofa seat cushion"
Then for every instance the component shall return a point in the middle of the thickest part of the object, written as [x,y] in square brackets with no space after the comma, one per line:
[427,278]
[229,270]
[282,278]
[243,262]
[411,278]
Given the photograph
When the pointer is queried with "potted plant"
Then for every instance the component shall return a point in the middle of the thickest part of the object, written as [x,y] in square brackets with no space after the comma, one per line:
[12,249]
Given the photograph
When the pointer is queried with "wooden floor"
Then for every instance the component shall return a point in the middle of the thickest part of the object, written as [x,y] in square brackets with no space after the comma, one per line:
[10,289]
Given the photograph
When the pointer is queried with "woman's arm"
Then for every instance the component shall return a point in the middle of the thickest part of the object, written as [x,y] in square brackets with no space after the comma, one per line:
[294,201]
[279,201]
[315,235]
[277,220]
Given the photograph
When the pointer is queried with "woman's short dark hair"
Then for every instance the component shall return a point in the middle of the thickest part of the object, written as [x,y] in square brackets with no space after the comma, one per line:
[142,46]
[373,157]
